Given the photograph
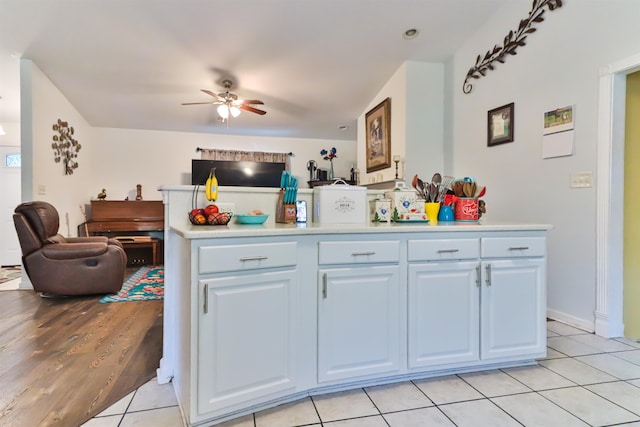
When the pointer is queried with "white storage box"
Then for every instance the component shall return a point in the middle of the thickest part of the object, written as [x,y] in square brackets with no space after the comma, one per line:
[340,204]
[404,200]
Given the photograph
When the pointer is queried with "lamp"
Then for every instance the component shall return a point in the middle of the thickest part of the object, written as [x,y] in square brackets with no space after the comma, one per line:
[225,109]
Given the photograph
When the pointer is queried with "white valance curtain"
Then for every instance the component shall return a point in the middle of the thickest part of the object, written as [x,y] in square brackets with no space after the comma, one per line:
[254,156]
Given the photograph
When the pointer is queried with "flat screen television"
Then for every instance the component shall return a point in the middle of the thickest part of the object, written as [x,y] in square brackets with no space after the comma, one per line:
[238,173]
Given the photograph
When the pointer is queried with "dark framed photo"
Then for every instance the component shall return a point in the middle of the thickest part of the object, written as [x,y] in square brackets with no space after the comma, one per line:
[500,125]
[378,136]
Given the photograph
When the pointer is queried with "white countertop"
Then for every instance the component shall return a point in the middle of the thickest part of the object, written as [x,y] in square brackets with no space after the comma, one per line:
[189,231]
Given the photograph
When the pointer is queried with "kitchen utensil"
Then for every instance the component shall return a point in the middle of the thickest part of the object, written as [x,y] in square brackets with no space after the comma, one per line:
[467,189]
[421,188]
[433,192]
[457,188]
[444,187]
[436,179]
[480,191]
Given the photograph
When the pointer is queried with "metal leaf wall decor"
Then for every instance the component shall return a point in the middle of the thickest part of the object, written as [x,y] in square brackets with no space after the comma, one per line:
[65,147]
[510,43]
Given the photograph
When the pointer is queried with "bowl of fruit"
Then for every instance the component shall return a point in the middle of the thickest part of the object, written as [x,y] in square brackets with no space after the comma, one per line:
[256,216]
[209,215]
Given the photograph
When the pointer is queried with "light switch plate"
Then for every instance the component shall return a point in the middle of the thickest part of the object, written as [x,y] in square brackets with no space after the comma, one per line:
[42,190]
[581,179]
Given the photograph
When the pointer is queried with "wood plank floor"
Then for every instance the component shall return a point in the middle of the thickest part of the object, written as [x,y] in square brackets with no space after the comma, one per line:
[62,361]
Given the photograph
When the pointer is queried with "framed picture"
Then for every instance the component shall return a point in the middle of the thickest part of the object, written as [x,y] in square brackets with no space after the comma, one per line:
[500,125]
[378,136]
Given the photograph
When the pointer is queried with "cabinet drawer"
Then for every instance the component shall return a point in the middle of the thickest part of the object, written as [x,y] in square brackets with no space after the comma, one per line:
[359,252]
[513,247]
[215,259]
[443,249]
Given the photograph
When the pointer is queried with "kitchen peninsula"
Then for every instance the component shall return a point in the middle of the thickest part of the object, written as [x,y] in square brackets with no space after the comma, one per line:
[259,315]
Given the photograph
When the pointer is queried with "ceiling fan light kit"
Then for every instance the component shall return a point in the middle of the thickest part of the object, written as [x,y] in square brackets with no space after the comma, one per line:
[229,104]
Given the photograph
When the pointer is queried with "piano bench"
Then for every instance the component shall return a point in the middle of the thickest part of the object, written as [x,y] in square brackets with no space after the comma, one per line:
[135,244]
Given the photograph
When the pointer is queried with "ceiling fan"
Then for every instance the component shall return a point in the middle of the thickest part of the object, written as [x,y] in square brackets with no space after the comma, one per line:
[228,103]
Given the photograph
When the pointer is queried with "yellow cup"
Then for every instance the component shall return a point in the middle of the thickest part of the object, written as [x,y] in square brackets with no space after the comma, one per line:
[432,210]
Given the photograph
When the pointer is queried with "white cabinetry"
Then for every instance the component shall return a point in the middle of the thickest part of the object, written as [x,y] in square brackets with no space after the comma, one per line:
[444,302]
[247,323]
[358,309]
[258,317]
[513,298]
[466,310]
[443,313]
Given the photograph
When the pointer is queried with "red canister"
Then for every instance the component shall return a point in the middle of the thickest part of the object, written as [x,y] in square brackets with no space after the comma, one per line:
[466,209]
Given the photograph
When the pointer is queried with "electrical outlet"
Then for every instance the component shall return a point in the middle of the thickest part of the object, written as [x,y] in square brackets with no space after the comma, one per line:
[581,179]
[42,190]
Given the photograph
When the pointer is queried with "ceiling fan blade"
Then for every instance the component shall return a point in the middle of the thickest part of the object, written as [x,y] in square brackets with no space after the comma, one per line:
[197,103]
[253,110]
[215,95]
[251,101]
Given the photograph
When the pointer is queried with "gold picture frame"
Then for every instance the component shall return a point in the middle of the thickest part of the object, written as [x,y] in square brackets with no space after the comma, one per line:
[500,125]
[378,136]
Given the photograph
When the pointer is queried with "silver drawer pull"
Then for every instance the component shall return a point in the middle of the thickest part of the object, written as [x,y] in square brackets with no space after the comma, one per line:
[448,251]
[253,258]
[362,253]
[519,248]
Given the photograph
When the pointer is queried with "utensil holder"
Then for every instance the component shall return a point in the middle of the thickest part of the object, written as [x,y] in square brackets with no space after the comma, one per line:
[466,209]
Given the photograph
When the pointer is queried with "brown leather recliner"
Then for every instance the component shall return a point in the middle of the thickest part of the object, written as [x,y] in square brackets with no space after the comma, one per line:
[66,266]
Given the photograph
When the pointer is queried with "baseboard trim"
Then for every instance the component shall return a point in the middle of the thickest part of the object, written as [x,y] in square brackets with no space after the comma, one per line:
[577,322]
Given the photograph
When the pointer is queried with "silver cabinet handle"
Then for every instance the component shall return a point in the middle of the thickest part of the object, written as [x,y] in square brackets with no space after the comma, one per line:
[448,251]
[324,286]
[488,279]
[478,275]
[362,253]
[519,248]
[253,258]
[206,299]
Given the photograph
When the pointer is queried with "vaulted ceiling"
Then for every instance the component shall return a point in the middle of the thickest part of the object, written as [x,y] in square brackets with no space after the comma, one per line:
[315,64]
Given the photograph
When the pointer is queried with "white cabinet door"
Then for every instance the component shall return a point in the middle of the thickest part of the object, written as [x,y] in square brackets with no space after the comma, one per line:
[246,339]
[358,322]
[513,308]
[443,313]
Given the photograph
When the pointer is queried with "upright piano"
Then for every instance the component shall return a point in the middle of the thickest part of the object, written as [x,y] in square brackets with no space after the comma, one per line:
[139,225]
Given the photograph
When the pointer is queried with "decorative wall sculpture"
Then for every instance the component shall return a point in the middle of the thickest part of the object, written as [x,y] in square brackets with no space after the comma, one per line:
[510,43]
[65,147]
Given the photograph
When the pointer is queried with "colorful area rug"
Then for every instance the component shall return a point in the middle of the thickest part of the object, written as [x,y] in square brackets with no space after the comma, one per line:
[145,284]
[10,273]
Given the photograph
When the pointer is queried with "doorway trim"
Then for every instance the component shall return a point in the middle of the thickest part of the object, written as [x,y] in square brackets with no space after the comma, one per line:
[610,196]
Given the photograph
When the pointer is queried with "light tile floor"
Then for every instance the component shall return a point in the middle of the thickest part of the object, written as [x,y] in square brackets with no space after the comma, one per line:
[585,380]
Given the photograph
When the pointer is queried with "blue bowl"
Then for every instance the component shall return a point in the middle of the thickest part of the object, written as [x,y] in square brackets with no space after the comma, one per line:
[251,219]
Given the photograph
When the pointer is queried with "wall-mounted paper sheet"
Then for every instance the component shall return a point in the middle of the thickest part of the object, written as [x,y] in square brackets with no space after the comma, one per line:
[557,144]
[557,139]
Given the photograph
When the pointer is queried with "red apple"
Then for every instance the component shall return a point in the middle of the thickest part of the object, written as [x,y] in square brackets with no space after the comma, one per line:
[195,212]
[211,210]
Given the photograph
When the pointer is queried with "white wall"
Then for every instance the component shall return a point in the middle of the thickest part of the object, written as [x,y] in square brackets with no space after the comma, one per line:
[119,159]
[128,157]
[417,95]
[43,105]
[12,134]
[559,66]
